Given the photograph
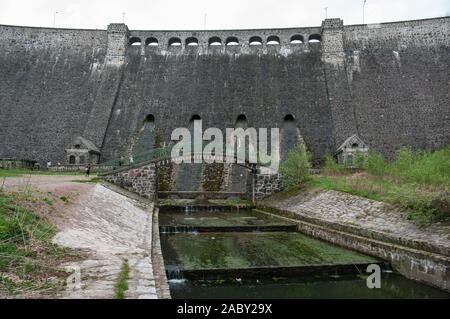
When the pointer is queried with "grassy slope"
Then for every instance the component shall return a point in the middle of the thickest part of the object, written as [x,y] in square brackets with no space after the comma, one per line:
[19,172]
[365,186]
[416,181]
[424,204]
[28,259]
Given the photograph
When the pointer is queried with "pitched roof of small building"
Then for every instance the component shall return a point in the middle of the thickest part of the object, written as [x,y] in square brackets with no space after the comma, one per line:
[85,144]
[354,139]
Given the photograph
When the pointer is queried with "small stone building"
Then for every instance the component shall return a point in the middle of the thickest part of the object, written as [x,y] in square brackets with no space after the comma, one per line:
[347,151]
[81,152]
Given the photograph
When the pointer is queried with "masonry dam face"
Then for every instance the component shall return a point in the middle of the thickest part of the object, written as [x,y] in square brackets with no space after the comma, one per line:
[71,96]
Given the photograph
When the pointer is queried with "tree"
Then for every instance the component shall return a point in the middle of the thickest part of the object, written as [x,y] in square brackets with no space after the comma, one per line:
[295,170]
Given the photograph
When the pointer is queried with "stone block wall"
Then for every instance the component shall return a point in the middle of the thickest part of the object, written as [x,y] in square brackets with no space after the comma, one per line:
[267,184]
[117,43]
[140,180]
[143,180]
[48,82]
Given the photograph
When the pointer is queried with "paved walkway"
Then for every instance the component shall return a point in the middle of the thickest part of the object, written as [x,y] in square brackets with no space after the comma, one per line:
[347,209]
[113,228]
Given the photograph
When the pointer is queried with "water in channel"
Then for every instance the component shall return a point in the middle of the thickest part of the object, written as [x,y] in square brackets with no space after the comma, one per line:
[220,252]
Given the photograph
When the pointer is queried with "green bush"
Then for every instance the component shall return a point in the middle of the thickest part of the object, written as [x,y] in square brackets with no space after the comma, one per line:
[403,161]
[359,160]
[432,168]
[375,164]
[424,209]
[295,169]
[331,166]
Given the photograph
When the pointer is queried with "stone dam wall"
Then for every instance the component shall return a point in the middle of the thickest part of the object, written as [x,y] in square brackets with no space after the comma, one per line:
[388,83]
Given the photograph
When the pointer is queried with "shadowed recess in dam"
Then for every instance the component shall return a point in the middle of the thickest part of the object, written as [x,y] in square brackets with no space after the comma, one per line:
[239,177]
[188,177]
[290,135]
[317,287]
[194,251]
[145,140]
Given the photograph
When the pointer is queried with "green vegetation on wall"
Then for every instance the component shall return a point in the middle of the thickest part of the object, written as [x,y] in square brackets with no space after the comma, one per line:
[164,177]
[122,283]
[213,177]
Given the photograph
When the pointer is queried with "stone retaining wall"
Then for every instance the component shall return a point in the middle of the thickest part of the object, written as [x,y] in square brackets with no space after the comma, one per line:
[412,262]
[143,180]
[140,180]
[267,184]
[159,270]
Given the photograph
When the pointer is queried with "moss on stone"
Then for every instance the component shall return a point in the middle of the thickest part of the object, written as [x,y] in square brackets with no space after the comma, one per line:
[213,177]
[244,250]
[164,177]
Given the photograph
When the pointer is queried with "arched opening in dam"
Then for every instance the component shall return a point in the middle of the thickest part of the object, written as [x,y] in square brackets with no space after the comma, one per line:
[273,40]
[174,42]
[315,38]
[135,41]
[255,40]
[297,39]
[215,41]
[152,42]
[191,41]
[232,41]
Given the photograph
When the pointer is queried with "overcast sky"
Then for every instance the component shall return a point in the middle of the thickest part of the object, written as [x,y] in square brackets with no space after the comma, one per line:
[220,14]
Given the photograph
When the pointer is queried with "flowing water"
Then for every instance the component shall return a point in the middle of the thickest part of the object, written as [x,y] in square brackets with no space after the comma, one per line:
[217,252]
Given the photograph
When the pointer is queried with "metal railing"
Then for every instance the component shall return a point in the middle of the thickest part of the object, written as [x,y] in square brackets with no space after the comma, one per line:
[150,155]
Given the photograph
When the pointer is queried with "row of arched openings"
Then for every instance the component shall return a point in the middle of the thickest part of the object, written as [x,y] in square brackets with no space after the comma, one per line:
[230,41]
